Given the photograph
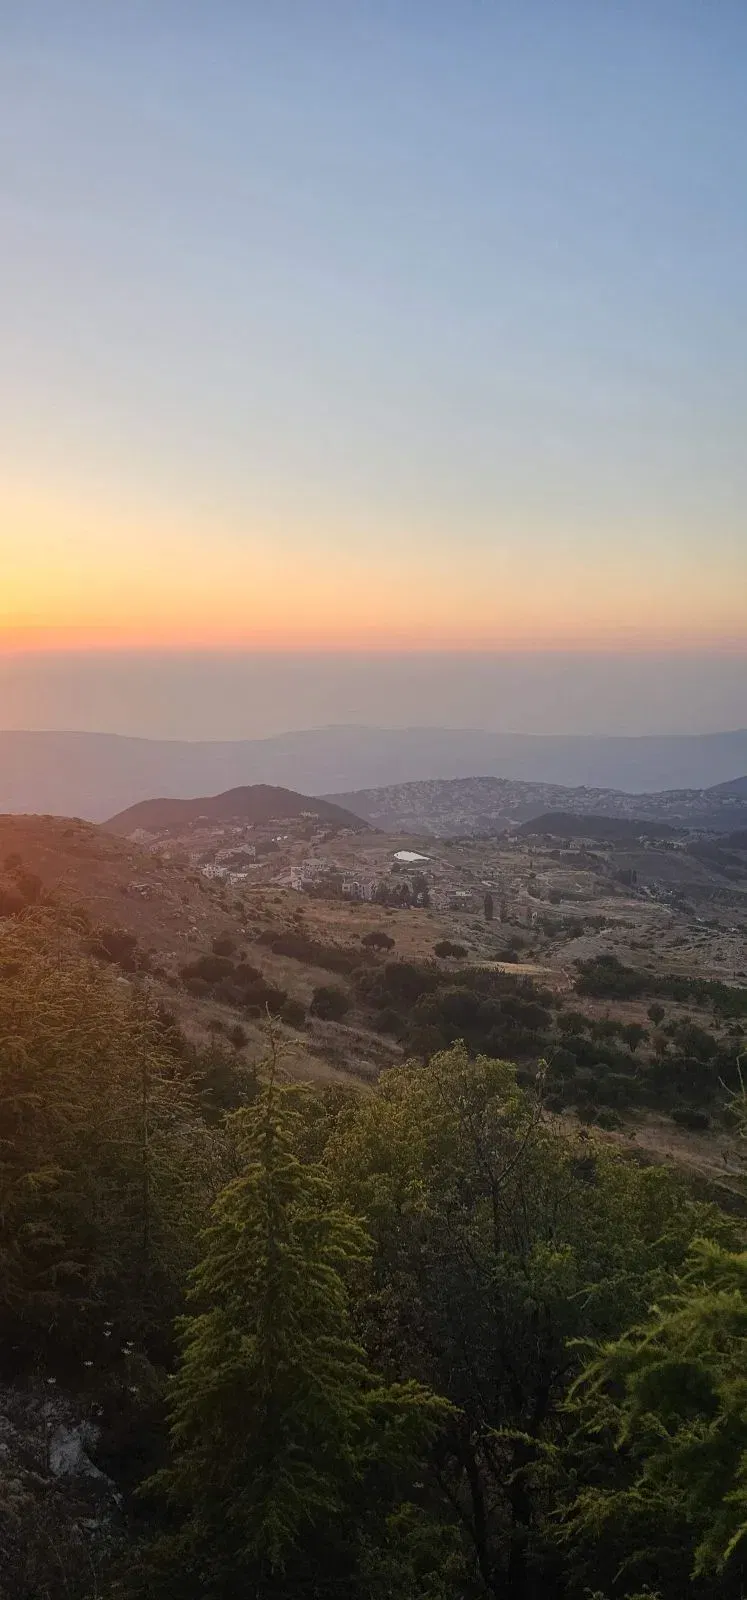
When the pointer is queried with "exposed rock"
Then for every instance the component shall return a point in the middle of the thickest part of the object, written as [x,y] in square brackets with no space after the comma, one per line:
[68,1453]
[59,1513]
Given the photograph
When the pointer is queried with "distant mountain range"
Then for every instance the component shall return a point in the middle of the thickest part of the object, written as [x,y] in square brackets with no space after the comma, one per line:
[488,805]
[257,803]
[96,775]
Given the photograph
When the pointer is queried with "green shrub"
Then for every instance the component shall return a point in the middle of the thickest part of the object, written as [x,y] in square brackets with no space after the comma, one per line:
[390,1021]
[11,902]
[329,1003]
[691,1117]
[212,968]
[377,940]
[115,945]
[302,947]
[293,1012]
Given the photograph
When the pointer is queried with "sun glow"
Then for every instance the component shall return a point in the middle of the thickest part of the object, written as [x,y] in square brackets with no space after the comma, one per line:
[87,575]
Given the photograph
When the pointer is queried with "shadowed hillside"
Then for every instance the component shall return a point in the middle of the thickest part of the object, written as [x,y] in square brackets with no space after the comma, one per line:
[256,803]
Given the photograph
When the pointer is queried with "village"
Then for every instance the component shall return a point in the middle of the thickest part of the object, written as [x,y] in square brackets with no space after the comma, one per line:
[517,878]
[533,899]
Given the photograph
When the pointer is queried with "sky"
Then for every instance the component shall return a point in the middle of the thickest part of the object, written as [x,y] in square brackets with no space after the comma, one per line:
[359,336]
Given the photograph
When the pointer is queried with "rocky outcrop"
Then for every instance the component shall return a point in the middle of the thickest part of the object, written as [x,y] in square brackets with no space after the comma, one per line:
[59,1513]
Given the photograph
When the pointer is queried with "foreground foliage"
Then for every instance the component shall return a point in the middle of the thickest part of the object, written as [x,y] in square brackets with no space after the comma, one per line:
[672,1392]
[101,1157]
[500,1243]
[276,1418]
[431,1345]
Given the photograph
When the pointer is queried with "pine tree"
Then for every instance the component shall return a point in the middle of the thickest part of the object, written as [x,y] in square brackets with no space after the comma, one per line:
[275,1416]
[99,1182]
[671,1393]
[501,1242]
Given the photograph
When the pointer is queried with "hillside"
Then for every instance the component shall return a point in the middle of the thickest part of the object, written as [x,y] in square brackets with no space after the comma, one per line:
[482,805]
[736,789]
[354,984]
[569,825]
[113,882]
[531,1239]
[97,775]
[255,803]
[155,916]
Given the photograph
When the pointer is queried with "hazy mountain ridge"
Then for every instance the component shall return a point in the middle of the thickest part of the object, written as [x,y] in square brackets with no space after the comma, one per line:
[97,775]
[486,804]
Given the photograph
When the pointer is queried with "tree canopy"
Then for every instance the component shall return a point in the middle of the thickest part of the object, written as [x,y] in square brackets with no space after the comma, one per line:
[419,1342]
[276,1418]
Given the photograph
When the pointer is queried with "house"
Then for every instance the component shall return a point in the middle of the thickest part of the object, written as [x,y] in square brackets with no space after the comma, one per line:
[358,888]
[316,873]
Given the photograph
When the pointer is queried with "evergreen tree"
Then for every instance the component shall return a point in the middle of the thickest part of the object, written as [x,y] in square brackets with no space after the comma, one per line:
[667,1405]
[99,1155]
[275,1416]
[500,1243]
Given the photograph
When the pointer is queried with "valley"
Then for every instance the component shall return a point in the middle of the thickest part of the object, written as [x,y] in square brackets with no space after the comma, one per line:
[612,963]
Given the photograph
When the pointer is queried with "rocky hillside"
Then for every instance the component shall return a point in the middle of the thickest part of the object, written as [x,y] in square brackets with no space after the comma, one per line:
[458,806]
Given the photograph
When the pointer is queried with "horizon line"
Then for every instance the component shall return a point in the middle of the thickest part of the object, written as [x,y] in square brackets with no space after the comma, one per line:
[367,727]
[62,644]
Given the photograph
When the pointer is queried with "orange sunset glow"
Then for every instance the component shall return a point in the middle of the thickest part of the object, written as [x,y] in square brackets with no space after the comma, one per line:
[95,578]
[275,382]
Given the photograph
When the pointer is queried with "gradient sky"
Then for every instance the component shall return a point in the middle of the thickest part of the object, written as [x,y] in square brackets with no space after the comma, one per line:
[372,325]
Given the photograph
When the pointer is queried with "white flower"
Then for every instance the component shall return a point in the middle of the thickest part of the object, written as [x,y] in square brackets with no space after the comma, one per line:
[88,1363]
[51,1380]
